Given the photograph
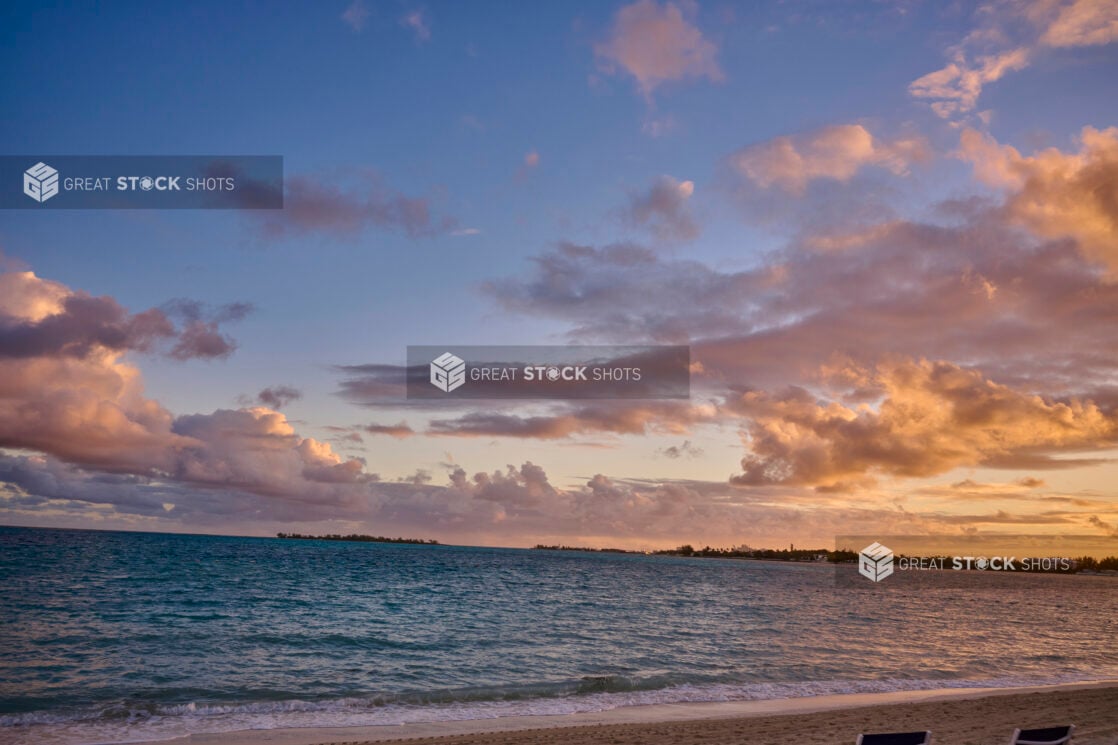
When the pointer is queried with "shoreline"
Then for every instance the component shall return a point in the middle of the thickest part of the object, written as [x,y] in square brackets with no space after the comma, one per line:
[837,712]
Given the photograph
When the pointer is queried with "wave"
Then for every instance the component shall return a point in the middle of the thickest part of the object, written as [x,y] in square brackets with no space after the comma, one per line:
[153,721]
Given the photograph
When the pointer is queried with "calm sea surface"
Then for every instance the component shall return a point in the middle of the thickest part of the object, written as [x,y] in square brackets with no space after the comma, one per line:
[111,637]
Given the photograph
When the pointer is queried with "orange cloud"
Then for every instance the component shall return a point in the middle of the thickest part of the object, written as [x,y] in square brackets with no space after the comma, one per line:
[933,417]
[1057,194]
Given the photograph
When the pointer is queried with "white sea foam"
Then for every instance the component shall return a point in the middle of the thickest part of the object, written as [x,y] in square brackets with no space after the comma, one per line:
[166,722]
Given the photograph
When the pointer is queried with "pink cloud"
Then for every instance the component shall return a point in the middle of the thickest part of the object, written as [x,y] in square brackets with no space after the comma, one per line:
[656,44]
[837,153]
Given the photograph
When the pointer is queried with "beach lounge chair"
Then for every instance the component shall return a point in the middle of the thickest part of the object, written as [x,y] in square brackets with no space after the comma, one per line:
[896,738]
[1043,736]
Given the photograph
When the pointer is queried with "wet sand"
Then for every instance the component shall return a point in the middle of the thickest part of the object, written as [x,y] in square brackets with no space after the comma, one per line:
[956,717]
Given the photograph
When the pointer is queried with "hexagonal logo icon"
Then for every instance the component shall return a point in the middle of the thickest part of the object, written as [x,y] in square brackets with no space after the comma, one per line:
[448,372]
[875,562]
[40,182]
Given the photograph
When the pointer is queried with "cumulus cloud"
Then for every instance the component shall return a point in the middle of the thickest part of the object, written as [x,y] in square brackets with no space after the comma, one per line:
[933,417]
[81,325]
[1057,194]
[1021,325]
[837,153]
[656,44]
[67,391]
[40,318]
[522,487]
[663,210]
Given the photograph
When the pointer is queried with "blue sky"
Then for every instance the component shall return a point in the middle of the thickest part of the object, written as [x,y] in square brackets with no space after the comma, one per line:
[522,126]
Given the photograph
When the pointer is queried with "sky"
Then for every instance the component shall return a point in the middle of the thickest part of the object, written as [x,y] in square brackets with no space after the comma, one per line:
[887,230]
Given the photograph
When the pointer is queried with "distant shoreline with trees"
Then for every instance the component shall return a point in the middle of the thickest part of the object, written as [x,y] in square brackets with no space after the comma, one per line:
[357,538]
[1079,565]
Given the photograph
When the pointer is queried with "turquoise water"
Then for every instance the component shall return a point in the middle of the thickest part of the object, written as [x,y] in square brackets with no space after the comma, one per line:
[109,637]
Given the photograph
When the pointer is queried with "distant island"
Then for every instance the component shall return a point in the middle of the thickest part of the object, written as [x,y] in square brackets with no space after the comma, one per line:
[542,547]
[741,552]
[358,538]
[762,554]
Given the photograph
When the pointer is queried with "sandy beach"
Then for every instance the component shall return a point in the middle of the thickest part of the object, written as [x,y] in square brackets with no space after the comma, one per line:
[959,717]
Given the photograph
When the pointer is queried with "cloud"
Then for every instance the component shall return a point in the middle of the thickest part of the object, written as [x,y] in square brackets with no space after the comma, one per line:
[1008,38]
[657,44]
[100,449]
[348,206]
[955,88]
[683,450]
[663,209]
[400,430]
[1077,24]
[356,15]
[837,153]
[276,397]
[40,318]
[624,291]
[1110,530]
[1057,194]
[201,336]
[1029,312]
[568,420]
[417,21]
[523,487]
[67,392]
[80,325]
[933,417]
[1019,328]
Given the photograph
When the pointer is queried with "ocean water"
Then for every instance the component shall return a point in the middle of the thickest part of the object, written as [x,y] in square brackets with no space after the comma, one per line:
[116,637]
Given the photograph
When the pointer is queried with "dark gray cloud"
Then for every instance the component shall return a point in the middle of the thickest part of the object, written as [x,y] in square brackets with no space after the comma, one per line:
[663,210]
[83,325]
[398,430]
[278,396]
